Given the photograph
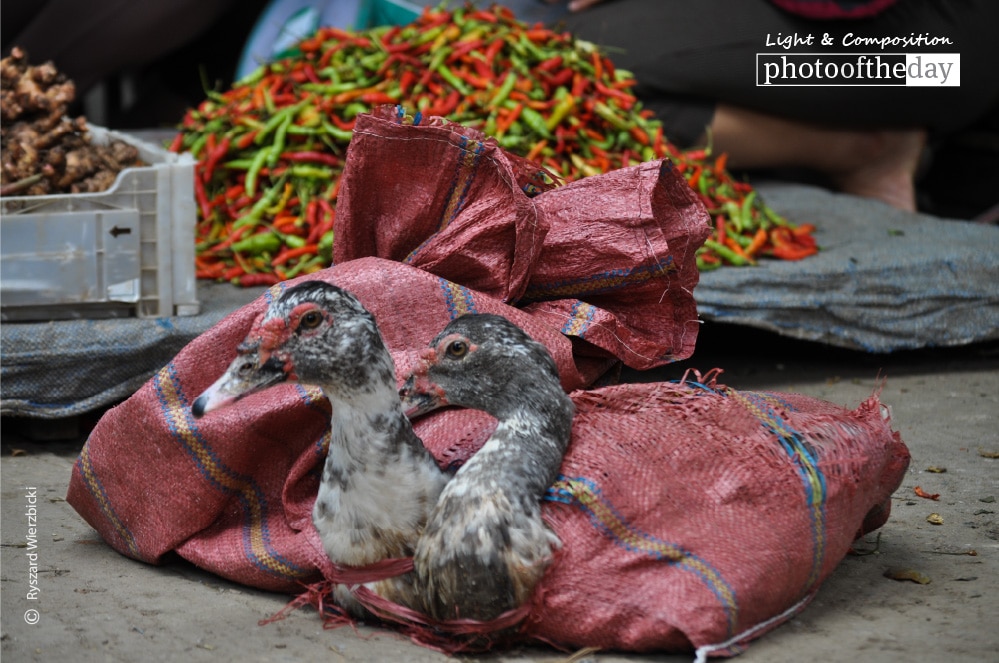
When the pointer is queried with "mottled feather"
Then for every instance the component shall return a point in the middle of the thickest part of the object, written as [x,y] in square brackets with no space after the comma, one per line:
[486,546]
[379,482]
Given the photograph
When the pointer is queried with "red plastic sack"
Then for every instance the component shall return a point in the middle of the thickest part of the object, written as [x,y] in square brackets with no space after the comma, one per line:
[689,514]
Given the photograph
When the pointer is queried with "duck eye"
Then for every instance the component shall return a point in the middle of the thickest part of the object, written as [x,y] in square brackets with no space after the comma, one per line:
[311,320]
[457,349]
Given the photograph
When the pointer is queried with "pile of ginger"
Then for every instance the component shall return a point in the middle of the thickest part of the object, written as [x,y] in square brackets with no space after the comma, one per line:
[43,150]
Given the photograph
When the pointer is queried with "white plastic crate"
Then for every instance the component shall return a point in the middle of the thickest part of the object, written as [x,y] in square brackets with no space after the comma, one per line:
[127,251]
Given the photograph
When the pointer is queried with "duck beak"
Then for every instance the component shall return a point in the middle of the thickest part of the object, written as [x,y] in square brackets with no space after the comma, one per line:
[419,395]
[246,375]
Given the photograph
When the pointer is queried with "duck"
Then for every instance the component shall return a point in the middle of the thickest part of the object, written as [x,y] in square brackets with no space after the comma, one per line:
[379,483]
[486,546]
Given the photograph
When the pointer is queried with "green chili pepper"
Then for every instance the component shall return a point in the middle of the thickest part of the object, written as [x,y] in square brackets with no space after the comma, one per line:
[325,246]
[310,172]
[438,59]
[746,210]
[259,159]
[607,113]
[304,263]
[294,241]
[452,80]
[504,90]
[726,253]
[339,134]
[280,136]
[265,201]
[562,108]
[278,118]
[535,121]
[258,244]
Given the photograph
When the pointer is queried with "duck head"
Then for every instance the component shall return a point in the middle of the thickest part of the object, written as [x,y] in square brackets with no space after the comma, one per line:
[484,362]
[313,333]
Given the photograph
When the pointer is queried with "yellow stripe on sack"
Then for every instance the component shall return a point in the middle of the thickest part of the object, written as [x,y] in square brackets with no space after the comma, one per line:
[582,316]
[176,413]
[815,490]
[95,488]
[607,519]
[458,304]
[460,190]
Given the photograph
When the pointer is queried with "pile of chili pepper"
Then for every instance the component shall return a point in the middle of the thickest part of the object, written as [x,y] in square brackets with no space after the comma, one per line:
[745,228]
[270,149]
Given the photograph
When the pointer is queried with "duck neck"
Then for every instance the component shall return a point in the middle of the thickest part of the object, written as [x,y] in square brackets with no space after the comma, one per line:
[528,444]
[378,483]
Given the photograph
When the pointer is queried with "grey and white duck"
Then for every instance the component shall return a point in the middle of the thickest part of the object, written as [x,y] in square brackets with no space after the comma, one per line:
[486,546]
[379,483]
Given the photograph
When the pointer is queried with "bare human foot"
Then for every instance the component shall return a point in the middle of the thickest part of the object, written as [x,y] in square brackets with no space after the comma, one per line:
[887,173]
[873,164]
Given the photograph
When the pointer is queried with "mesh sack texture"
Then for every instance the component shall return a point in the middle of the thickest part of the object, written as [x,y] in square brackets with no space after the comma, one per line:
[451,204]
[690,514]
[696,516]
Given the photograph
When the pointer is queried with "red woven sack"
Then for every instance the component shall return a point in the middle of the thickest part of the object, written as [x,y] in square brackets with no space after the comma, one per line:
[666,489]
[695,516]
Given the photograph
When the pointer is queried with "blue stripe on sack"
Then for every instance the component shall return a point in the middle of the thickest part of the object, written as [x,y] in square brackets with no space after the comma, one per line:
[806,464]
[458,299]
[587,496]
[464,174]
[100,495]
[257,546]
[580,317]
[597,284]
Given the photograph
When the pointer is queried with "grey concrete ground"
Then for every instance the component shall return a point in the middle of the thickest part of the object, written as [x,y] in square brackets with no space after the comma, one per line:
[92,604]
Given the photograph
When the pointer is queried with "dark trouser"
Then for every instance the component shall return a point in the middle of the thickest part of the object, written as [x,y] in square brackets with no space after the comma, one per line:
[89,40]
[690,55]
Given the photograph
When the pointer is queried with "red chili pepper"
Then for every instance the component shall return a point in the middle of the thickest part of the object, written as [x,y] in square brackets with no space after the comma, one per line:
[625,100]
[598,66]
[246,140]
[720,229]
[550,65]
[484,70]
[375,98]
[213,158]
[482,15]
[479,82]
[922,493]
[492,52]
[178,142]
[312,156]
[721,162]
[288,254]
[695,177]
[406,81]
[787,252]
[539,35]
[562,78]
[462,49]
[759,241]
[446,106]
[504,122]
[202,198]
[231,239]
[232,272]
